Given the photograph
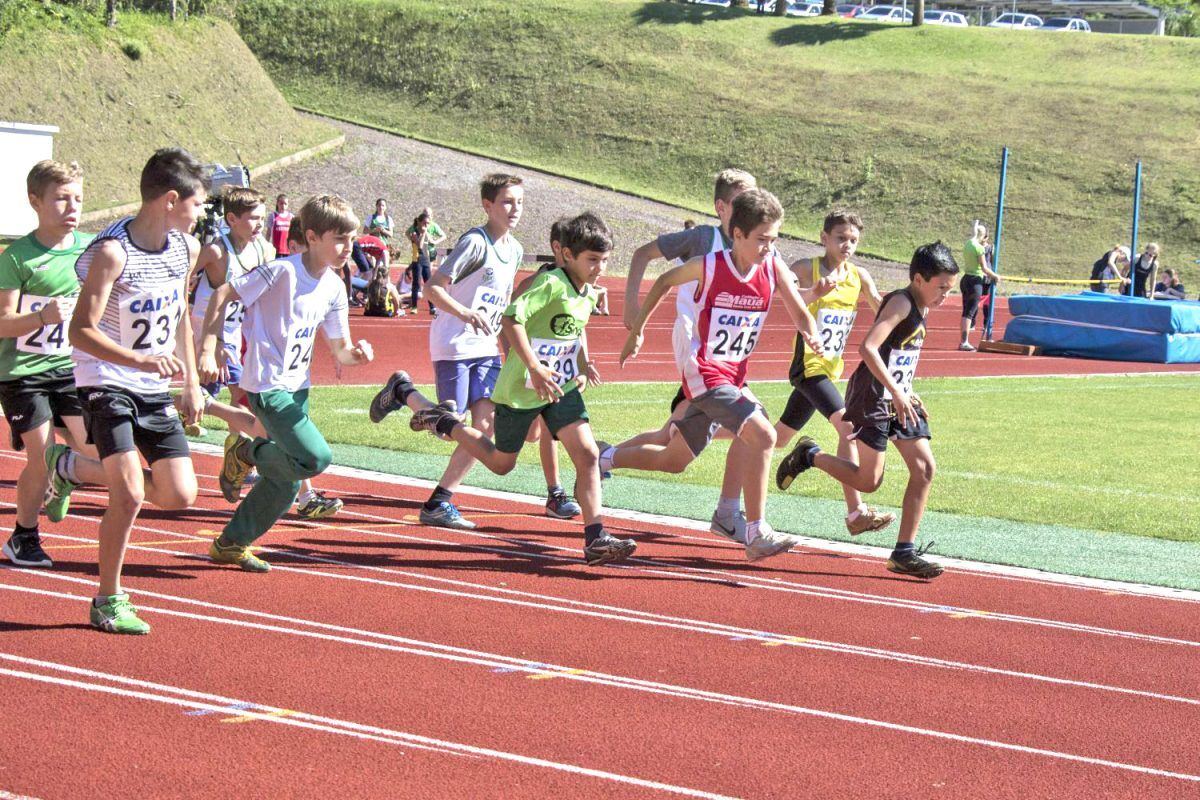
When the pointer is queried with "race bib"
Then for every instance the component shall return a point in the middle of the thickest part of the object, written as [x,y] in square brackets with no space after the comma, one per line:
[833,326]
[297,353]
[235,312]
[733,334]
[492,304]
[560,355]
[48,340]
[902,366]
[149,319]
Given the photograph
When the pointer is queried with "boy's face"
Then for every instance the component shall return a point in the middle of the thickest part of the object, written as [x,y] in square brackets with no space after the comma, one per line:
[505,210]
[841,242]
[182,212]
[757,245]
[330,249]
[281,204]
[248,226]
[932,292]
[59,206]
[588,266]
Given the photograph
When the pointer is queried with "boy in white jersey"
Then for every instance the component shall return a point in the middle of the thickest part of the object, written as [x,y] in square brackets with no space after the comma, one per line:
[37,388]
[131,336]
[286,302]
[736,286]
[471,288]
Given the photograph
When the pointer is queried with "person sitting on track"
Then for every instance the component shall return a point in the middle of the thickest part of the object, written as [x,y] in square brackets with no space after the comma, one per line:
[1170,287]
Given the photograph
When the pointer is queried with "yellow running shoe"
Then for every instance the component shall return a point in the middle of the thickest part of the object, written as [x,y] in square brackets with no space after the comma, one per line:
[238,556]
[235,468]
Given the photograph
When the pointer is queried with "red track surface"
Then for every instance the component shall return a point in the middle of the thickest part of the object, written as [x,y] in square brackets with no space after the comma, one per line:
[404,343]
[386,659]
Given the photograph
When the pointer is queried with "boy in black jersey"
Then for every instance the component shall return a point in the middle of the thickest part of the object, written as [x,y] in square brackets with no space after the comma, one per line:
[881,405]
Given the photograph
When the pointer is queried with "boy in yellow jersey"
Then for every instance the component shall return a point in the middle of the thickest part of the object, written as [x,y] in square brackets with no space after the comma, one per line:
[812,376]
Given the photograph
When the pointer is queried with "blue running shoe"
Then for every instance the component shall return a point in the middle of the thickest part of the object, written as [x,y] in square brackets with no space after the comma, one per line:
[446,515]
[560,506]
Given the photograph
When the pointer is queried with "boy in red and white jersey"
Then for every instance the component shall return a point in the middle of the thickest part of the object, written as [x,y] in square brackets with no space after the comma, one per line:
[732,298]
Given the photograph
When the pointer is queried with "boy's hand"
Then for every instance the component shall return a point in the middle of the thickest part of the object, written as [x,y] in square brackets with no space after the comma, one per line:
[906,412]
[545,383]
[191,404]
[167,366]
[593,374]
[633,343]
[51,313]
[824,286]
[363,352]
[919,404]
[602,300]
[631,315]
[479,321]
[814,343]
[581,381]
[207,368]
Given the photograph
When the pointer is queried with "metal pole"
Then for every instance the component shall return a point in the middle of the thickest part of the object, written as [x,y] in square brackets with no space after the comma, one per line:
[1137,213]
[991,309]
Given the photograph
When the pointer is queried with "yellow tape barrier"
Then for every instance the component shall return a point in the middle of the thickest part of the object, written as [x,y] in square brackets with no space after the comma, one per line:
[1017,279]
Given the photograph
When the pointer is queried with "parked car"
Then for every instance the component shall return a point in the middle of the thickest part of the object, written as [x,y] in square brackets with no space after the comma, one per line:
[946,18]
[799,8]
[1011,20]
[849,11]
[721,3]
[1066,24]
[886,14]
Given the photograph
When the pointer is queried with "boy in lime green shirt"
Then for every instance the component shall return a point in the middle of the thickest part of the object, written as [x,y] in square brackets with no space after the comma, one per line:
[545,328]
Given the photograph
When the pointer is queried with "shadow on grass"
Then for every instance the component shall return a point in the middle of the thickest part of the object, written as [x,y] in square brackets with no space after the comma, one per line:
[661,13]
[834,30]
[809,35]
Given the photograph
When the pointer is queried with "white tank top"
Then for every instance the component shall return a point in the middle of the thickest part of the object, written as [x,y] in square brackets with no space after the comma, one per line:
[235,311]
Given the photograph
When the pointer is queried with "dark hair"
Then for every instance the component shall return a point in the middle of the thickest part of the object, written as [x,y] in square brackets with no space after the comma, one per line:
[172,169]
[556,229]
[493,184]
[688,224]
[841,217]
[380,200]
[931,260]
[752,208]
[296,231]
[422,217]
[586,232]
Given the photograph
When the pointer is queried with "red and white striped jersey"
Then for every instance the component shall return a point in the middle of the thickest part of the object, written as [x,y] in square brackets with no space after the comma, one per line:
[731,310]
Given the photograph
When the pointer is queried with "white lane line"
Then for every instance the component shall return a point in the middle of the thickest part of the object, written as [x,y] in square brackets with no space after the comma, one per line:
[162,693]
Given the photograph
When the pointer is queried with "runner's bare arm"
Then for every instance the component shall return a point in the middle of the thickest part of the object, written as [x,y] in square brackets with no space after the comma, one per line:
[796,307]
[889,317]
[214,323]
[633,281]
[349,354]
[441,299]
[191,404]
[685,273]
[874,298]
[13,324]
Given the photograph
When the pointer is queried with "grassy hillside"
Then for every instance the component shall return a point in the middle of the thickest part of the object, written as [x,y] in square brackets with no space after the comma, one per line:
[652,97]
[119,94]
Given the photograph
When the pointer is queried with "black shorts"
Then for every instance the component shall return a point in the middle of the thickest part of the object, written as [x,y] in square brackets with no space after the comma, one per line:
[810,395]
[119,421]
[876,435]
[32,400]
[512,424]
[972,287]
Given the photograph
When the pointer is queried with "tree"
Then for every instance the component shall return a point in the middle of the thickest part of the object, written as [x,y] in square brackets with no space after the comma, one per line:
[739,3]
[828,8]
[781,8]
[918,13]
[110,13]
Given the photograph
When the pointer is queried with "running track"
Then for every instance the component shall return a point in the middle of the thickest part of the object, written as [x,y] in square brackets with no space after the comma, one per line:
[382,659]
[404,342]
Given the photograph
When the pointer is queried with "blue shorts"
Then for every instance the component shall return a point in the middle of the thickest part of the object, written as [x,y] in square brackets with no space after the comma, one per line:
[467,380]
[234,363]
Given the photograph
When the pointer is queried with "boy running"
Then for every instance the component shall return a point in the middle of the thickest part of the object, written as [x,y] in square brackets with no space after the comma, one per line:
[131,336]
[546,328]
[881,405]
[38,288]
[286,302]
[472,288]
[731,304]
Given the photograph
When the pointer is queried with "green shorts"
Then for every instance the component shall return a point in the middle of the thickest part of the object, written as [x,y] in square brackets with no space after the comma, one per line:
[512,424]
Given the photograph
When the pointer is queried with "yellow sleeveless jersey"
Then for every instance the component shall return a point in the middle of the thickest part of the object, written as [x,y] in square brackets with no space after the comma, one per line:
[834,314]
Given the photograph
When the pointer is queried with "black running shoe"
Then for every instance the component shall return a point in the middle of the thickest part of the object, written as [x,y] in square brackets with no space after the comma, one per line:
[912,563]
[427,419]
[386,401]
[25,550]
[608,549]
[796,462]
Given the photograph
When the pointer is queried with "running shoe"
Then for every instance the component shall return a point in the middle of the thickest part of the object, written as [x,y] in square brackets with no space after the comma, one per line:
[25,550]
[795,462]
[117,615]
[427,419]
[58,496]
[607,549]
[446,515]
[318,506]
[769,543]
[386,401]
[234,469]
[912,563]
[194,431]
[966,347]
[560,506]
[237,555]
[869,519]
[732,527]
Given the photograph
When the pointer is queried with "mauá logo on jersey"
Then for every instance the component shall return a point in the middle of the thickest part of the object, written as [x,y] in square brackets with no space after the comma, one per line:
[747,302]
[148,305]
[565,326]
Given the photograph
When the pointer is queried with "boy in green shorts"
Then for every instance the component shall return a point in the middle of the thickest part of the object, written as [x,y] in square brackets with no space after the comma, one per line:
[286,302]
[38,288]
[545,329]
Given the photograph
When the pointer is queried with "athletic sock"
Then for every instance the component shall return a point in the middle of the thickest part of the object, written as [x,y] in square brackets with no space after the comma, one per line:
[65,466]
[403,390]
[903,549]
[606,459]
[440,495]
[592,532]
[21,530]
[855,514]
[729,506]
[305,497]
[752,530]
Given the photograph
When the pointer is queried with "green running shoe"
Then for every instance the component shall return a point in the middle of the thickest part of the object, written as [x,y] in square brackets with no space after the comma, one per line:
[238,556]
[117,615]
[58,496]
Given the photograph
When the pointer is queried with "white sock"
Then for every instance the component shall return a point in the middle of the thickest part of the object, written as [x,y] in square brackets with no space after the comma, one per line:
[729,506]
[66,467]
[311,494]
[606,459]
[752,530]
[855,514]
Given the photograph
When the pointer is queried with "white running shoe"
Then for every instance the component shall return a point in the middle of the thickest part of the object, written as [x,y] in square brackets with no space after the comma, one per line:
[769,543]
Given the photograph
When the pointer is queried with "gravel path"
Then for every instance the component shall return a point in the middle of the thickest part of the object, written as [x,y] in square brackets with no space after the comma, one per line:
[412,175]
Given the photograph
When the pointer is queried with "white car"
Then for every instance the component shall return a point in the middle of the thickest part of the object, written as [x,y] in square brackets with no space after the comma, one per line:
[721,3]
[886,14]
[1066,24]
[796,8]
[945,18]
[1011,20]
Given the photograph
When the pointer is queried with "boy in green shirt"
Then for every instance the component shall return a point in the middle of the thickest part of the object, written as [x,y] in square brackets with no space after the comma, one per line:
[38,288]
[545,328]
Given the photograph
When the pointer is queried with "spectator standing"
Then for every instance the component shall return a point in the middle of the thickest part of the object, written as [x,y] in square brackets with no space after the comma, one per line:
[977,273]
[279,222]
[380,224]
[1108,268]
[1145,271]
[420,267]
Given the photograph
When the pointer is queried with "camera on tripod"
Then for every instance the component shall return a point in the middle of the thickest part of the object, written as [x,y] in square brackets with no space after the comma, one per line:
[212,224]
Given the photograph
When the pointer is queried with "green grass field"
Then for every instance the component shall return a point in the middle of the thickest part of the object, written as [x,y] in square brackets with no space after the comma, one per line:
[904,124]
